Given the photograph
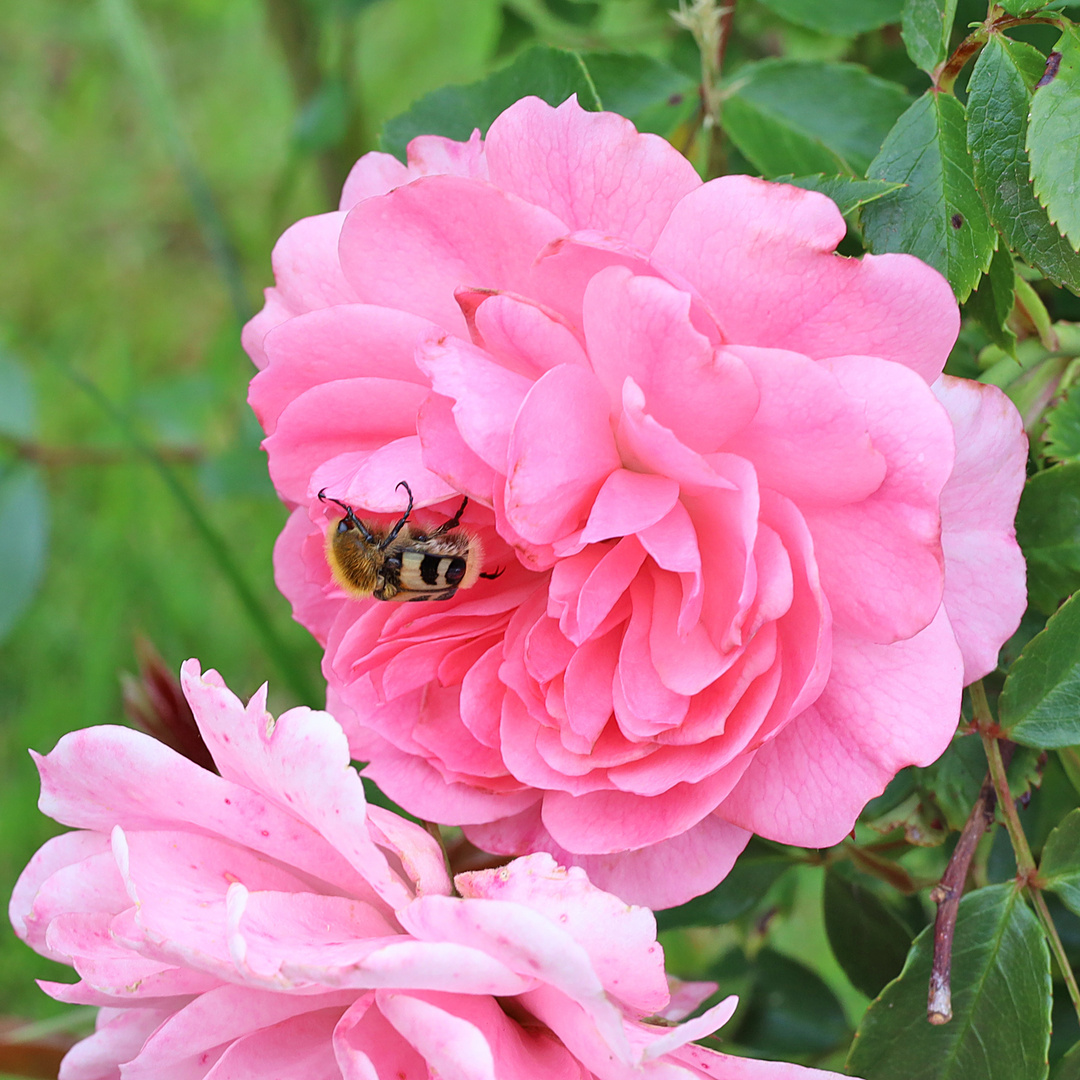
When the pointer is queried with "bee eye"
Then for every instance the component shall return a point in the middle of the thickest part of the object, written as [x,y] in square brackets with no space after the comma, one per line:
[343,526]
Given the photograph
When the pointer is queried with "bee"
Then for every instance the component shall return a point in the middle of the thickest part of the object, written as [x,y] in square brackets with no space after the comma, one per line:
[399,564]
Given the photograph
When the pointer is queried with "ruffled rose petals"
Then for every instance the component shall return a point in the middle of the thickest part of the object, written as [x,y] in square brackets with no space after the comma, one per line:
[262,920]
[753,542]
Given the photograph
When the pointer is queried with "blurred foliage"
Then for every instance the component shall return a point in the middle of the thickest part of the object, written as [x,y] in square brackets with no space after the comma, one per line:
[151,151]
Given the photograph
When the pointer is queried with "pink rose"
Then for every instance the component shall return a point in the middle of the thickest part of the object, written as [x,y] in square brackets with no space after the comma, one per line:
[267,922]
[754,542]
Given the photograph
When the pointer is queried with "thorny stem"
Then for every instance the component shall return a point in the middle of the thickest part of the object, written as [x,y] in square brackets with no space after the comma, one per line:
[946,894]
[1025,861]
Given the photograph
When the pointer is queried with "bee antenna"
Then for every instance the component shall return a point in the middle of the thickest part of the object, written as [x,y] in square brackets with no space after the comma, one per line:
[392,535]
[323,497]
[350,515]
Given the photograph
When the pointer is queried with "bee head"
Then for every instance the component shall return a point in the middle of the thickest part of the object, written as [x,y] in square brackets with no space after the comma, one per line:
[350,520]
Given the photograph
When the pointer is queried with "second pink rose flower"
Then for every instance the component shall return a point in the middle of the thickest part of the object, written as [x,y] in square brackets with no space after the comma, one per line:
[754,542]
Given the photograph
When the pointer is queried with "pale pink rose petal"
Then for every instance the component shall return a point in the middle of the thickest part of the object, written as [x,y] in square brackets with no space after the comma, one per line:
[620,940]
[308,276]
[708,1063]
[299,1048]
[281,933]
[442,1028]
[303,758]
[539,950]
[368,1048]
[658,1044]
[451,1047]
[199,1032]
[762,255]
[119,1035]
[984,567]
[884,707]
[153,787]
[341,342]
[686,997]
[45,867]
[592,170]
[412,248]
[226,956]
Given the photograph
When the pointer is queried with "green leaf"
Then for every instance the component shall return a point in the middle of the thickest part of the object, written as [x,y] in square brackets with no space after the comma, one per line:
[753,875]
[998,102]
[1021,7]
[1000,998]
[575,12]
[454,111]
[655,96]
[1048,529]
[926,27]
[1052,137]
[808,116]
[993,300]
[845,18]
[1068,1068]
[18,406]
[24,538]
[1040,704]
[1060,865]
[848,194]
[789,1008]
[868,940]
[1063,429]
[939,216]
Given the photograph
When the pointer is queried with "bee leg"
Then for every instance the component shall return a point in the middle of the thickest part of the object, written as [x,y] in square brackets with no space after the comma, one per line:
[453,523]
[392,535]
[498,573]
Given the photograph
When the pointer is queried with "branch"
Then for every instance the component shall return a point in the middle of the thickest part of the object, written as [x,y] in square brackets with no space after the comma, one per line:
[946,894]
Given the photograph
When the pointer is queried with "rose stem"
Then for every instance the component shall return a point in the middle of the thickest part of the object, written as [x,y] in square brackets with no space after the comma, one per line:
[946,894]
[1026,873]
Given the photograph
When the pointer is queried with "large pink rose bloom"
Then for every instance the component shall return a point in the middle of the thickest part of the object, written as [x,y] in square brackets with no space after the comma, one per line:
[754,542]
[267,922]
